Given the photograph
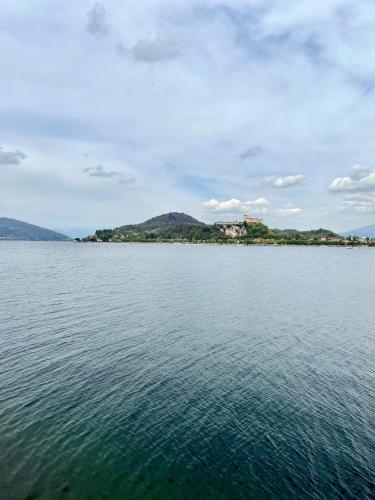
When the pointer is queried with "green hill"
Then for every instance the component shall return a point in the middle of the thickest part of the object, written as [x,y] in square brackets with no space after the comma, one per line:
[312,234]
[170,219]
[174,225]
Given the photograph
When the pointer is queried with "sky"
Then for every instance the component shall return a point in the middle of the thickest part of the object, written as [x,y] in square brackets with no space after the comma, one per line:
[113,112]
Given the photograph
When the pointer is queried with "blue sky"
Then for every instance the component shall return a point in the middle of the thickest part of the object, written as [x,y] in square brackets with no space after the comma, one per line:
[113,112]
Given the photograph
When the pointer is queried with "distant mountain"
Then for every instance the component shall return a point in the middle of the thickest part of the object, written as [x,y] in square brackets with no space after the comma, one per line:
[12,229]
[170,219]
[364,232]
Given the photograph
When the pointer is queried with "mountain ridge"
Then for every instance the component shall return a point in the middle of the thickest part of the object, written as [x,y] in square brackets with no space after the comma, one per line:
[14,229]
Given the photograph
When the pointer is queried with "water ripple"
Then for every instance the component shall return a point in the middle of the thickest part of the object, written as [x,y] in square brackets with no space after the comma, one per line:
[186,371]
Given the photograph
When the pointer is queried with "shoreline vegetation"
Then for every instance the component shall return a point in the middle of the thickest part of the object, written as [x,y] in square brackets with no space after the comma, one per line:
[181,228]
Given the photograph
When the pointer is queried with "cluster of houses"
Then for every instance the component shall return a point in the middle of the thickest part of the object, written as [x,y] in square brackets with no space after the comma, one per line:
[347,240]
[331,238]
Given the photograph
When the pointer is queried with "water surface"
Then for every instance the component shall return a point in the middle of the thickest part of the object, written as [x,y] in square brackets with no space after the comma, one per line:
[186,371]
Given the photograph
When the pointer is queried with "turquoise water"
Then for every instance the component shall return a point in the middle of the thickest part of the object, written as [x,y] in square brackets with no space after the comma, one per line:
[186,371]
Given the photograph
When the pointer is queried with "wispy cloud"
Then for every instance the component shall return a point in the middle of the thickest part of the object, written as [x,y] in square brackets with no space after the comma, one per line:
[359,203]
[155,50]
[11,157]
[97,24]
[284,182]
[121,50]
[361,178]
[251,152]
[100,171]
[149,50]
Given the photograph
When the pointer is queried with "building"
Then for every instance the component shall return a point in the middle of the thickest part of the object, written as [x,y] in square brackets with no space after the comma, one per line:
[231,223]
[246,218]
[235,229]
[252,220]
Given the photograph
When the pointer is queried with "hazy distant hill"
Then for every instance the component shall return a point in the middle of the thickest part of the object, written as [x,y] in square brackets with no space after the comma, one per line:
[364,231]
[12,229]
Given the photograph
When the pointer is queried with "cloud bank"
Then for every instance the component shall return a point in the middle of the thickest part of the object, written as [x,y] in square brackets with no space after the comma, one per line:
[205,100]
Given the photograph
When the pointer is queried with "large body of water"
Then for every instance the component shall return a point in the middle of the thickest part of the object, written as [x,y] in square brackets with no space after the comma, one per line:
[186,371]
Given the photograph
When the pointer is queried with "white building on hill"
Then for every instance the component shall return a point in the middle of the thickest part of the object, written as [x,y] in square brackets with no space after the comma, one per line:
[246,218]
[252,220]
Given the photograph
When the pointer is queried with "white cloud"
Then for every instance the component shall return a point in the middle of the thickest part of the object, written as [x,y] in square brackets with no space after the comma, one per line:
[232,205]
[361,178]
[284,182]
[286,212]
[259,205]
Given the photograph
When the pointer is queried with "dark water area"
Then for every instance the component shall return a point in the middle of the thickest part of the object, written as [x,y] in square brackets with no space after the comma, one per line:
[186,371]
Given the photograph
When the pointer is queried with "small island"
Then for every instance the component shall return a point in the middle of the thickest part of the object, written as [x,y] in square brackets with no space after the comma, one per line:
[177,227]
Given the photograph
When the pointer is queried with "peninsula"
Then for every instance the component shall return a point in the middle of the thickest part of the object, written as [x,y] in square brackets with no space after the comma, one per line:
[175,227]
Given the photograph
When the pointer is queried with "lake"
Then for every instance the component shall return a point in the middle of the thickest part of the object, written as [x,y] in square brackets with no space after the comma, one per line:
[186,371]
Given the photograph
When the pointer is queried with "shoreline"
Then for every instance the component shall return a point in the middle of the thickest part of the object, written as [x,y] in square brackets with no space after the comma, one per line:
[236,243]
